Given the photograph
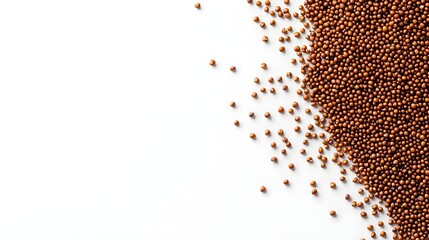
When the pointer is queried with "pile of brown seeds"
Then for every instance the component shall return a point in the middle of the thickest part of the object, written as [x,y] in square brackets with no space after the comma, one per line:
[368,69]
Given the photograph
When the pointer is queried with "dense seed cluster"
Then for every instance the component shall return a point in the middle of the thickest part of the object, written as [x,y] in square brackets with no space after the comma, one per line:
[368,69]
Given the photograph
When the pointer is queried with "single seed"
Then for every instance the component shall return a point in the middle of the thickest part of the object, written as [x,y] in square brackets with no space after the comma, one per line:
[263,189]
[267,132]
[313,183]
[251,114]
[212,62]
[256,19]
[293,60]
[236,123]
[295,104]
[274,159]
[297,129]
[332,185]
[363,214]
[254,95]
[252,136]
[256,80]
[286,182]
[297,34]
[272,90]
[281,109]
[285,87]
[262,24]
[370,227]
[232,104]
[280,132]
[347,197]
[273,145]
[232,68]
[383,234]
[264,66]
[262,90]
[333,213]
[267,114]
[264,38]
[283,151]
[314,191]
[281,48]
[291,166]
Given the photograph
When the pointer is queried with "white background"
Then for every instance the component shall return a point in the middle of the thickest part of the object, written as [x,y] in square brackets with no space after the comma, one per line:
[114,126]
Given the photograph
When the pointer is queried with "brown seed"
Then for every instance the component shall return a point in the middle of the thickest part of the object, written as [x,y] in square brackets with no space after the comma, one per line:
[232,68]
[373,235]
[252,136]
[273,145]
[263,90]
[363,214]
[274,159]
[262,24]
[281,109]
[280,132]
[286,182]
[256,80]
[264,66]
[314,191]
[197,5]
[370,227]
[272,22]
[258,3]
[283,151]
[254,95]
[267,115]
[332,185]
[293,61]
[297,119]
[263,189]
[212,62]
[291,166]
[281,49]
[383,234]
[333,213]
[297,129]
[347,197]
[267,132]
[265,38]
[232,104]
[297,34]
[256,19]
[285,87]
[251,114]
[313,183]
[295,104]
[272,90]
[342,178]
[236,123]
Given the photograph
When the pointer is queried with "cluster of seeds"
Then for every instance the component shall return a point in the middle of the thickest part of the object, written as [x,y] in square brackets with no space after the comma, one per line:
[368,70]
